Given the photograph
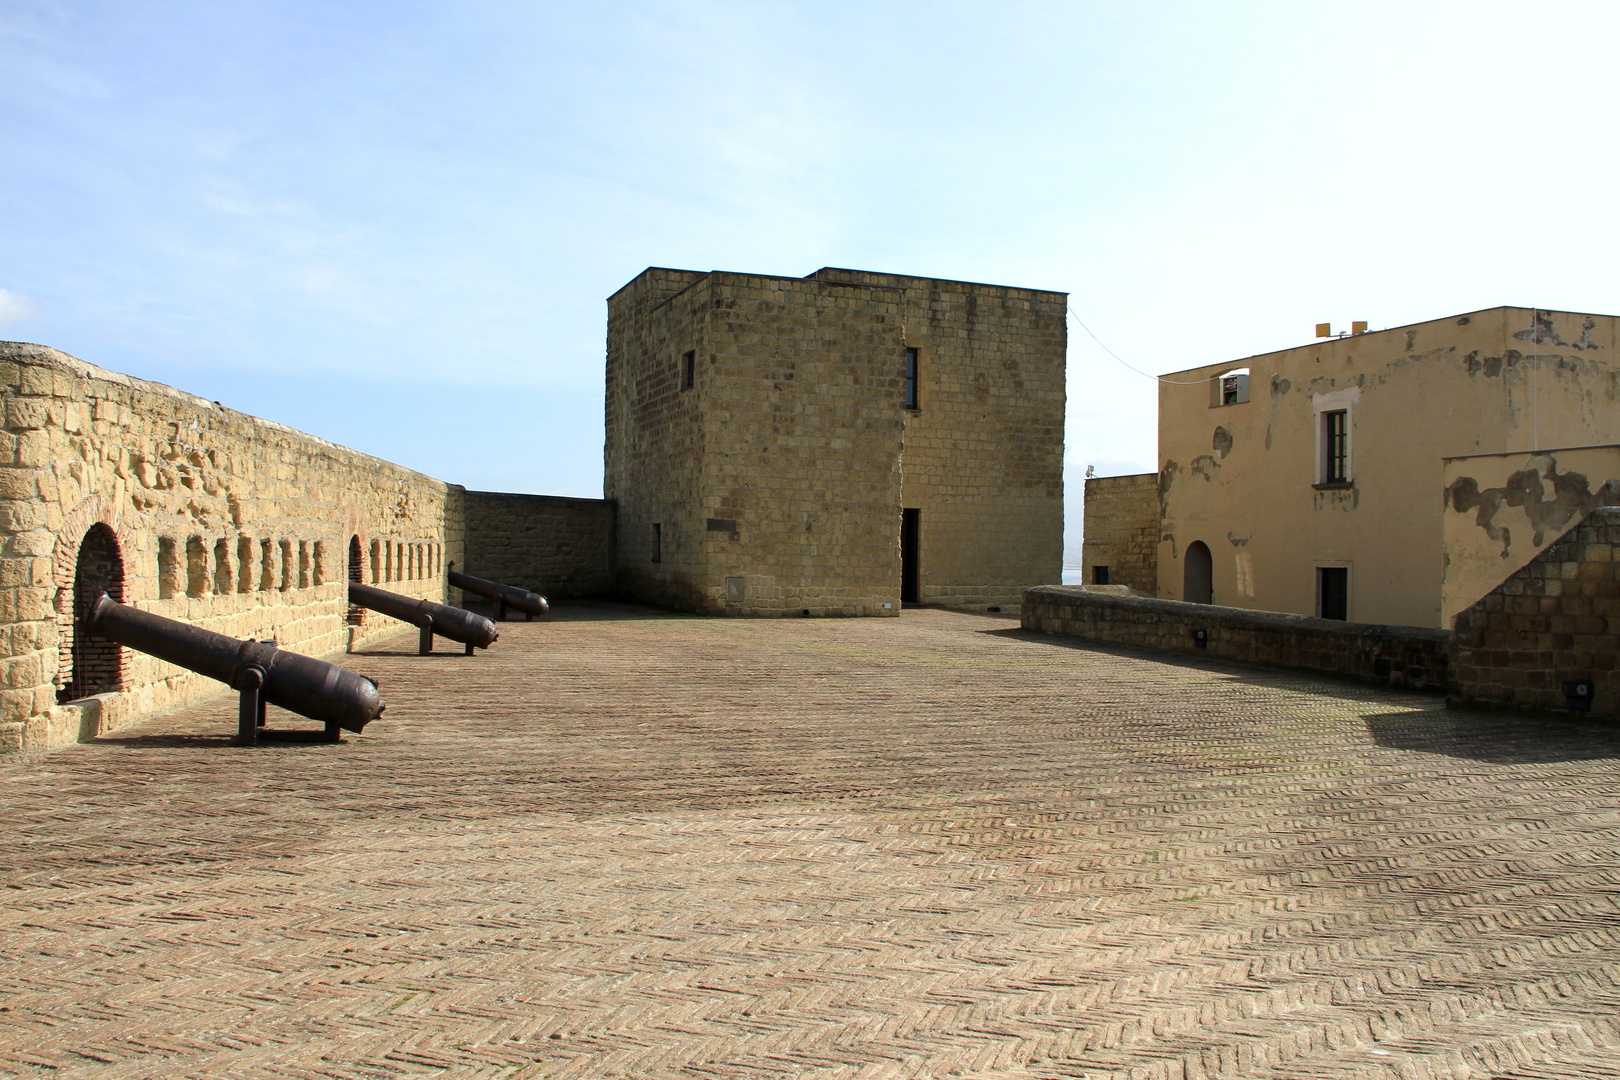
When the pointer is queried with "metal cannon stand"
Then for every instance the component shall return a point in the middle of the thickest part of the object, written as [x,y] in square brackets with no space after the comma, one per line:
[250,716]
[424,642]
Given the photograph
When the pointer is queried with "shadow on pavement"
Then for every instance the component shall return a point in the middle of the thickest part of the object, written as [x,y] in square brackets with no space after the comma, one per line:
[1307,682]
[571,610]
[446,650]
[173,738]
[1500,739]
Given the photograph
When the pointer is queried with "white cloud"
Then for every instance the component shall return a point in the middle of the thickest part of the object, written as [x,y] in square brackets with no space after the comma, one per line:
[16,308]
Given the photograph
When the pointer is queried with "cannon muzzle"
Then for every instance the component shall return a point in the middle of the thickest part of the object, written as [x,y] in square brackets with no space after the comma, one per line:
[473,631]
[337,697]
[504,596]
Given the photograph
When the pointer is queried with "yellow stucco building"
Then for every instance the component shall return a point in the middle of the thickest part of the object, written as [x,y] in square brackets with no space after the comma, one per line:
[1386,477]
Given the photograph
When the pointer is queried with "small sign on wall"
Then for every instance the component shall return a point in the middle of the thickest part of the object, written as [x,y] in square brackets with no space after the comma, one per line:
[1578,694]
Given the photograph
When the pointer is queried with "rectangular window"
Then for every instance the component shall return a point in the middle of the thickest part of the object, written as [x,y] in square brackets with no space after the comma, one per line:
[1333,592]
[1229,388]
[1099,575]
[911,378]
[1336,447]
[658,543]
[689,370]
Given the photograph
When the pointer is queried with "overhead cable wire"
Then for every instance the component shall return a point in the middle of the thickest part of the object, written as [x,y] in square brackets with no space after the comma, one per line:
[1133,367]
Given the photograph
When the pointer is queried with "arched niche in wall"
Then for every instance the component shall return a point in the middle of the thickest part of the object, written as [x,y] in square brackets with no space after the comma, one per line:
[93,665]
[1198,574]
[89,559]
[356,573]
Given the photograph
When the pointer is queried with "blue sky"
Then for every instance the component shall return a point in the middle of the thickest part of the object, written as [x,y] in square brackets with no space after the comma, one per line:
[394,225]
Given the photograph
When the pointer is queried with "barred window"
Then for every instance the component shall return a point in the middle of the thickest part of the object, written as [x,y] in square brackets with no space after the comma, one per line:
[1336,447]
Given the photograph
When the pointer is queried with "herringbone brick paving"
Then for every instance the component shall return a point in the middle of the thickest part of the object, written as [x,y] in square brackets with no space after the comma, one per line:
[629,844]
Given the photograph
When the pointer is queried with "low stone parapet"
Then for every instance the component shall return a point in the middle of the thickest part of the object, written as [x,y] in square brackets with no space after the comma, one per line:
[1410,657]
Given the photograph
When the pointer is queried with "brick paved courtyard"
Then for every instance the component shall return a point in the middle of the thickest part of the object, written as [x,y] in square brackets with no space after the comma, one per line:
[629,844]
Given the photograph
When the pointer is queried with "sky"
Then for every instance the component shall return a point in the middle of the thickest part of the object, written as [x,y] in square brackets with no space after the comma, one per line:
[395,225]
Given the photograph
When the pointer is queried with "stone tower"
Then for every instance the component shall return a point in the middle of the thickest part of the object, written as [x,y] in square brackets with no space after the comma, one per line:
[837,444]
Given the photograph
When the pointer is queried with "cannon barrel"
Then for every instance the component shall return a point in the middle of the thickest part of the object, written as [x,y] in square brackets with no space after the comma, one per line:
[505,595]
[300,684]
[473,631]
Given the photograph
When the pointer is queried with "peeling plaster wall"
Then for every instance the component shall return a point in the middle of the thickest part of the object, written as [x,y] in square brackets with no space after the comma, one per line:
[1243,478]
[1501,510]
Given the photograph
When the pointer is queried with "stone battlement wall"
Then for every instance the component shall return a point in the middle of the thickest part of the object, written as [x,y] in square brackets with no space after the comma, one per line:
[556,546]
[1405,656]
[187,509]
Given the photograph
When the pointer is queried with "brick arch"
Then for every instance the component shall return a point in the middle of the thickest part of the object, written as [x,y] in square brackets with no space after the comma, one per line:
[94,511]
[354,536]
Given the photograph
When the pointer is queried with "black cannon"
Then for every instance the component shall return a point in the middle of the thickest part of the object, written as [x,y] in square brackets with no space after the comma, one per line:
[451,622]
[262,673]
[504,596]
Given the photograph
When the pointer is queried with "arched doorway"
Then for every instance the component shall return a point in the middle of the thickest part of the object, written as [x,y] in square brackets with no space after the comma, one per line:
[357,614]
[97,664]
[1198,581]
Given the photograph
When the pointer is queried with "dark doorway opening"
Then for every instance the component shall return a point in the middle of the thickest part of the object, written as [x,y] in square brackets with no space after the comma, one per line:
[98,664]
[357,614]
[910,531]
[1198,574]
[1333,592]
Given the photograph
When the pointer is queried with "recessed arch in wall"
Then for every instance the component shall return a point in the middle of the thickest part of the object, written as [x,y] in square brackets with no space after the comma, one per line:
[1198,574]
[356,573]
[88,559]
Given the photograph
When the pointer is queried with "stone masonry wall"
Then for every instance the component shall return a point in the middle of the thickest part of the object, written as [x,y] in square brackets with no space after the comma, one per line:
[1404,656]
[775,482]
[559,547]
[982,458]
[206,515]
[652,455]
[773,479]
[1554,620]
[801,405]
[1122,531]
